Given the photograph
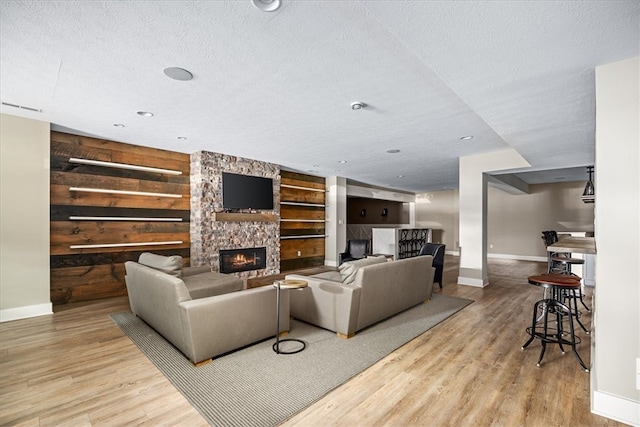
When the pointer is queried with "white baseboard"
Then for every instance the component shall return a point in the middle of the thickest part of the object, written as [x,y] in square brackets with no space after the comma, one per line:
[506,256]
[25,312]
[330,263]
[518,257]
[616,408]
[468,281]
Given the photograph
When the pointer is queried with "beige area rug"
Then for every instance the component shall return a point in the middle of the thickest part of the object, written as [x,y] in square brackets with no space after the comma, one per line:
[256,387]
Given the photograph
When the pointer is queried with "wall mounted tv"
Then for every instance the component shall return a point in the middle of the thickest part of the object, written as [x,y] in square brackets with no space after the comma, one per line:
[246,192]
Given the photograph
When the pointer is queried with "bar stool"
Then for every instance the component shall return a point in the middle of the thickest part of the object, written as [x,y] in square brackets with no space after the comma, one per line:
[557,285]
[561,262]
[403,244]
[415,242]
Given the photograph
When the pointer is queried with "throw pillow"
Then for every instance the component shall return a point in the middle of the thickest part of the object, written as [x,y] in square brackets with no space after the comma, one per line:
[349,269]
[167,264]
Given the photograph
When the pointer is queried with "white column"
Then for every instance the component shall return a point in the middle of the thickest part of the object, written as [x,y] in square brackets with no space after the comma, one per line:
[336,219]
[473,211]
[615,377]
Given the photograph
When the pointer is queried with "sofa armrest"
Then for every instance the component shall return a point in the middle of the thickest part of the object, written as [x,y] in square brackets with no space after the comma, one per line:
[191,271]
[325,303]
[222,323]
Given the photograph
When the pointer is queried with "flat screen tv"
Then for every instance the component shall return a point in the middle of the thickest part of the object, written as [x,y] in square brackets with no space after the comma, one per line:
[246,192]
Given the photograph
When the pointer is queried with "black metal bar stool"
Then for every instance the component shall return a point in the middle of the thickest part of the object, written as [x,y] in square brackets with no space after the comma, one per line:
[561,262]
[556,285]
[403,244]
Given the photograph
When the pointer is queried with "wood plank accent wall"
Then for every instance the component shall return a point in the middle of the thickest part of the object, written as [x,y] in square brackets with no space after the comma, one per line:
[83,274]
[302,216]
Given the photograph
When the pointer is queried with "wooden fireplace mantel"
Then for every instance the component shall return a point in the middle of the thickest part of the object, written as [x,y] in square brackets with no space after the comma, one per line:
[239,217]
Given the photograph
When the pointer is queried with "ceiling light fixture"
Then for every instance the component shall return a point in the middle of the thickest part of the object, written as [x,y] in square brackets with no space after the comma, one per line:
[177,73]
[589,194]
[144,113]
[342,161]
[118,125]
[393,151]
[182,138]
[267,5]
[466,137]
[357,105]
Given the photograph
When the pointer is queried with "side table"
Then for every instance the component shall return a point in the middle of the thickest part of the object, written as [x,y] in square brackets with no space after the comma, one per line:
[286,284]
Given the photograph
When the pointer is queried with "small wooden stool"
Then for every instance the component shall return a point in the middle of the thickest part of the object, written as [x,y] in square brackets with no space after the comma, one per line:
[558,285]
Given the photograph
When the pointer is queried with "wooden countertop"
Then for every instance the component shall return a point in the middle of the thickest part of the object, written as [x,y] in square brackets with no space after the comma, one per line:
[580,245]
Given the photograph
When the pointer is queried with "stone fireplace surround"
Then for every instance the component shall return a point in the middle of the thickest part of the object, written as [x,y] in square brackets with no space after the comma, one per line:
[209,236]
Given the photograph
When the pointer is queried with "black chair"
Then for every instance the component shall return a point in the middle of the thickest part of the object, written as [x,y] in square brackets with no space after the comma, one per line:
[356,249]
[559,262]
[437,251]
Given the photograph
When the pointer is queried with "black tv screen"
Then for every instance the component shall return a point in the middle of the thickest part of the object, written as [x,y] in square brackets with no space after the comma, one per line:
[246,192]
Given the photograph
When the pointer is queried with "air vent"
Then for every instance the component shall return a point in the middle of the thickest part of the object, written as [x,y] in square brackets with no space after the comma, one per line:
[23,107]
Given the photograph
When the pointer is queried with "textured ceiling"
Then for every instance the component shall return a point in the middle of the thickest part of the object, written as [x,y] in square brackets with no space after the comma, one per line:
[278,86]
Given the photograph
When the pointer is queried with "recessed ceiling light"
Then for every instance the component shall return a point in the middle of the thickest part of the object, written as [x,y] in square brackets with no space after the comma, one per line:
[466,137]
[182,137]
[144,114]
[393,151]
[357,105]
[118,125]
[342,161]
[267,5]
[400,176]
[177,73]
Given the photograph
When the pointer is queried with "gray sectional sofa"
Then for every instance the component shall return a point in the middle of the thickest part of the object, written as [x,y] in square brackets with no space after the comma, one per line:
[202,313]
[362,293]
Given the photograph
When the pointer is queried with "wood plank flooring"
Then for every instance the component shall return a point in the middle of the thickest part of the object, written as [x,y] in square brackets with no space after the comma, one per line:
[77,368]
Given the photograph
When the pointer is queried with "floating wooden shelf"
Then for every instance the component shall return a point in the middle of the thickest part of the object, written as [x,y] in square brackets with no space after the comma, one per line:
[258,217]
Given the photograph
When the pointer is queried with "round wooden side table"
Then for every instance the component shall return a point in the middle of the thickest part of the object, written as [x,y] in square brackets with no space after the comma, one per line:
[286,284]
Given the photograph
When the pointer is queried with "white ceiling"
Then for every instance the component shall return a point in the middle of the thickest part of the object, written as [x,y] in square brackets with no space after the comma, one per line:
[278,86]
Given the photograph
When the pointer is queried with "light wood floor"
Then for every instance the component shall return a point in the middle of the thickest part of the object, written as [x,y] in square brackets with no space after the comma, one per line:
[77,368]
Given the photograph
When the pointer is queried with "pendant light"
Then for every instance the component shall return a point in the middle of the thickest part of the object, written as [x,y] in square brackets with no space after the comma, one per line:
[589,193]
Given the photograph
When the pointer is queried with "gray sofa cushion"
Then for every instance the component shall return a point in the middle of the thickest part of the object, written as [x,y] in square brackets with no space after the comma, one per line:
[167,264]
[349,269]
[210,284]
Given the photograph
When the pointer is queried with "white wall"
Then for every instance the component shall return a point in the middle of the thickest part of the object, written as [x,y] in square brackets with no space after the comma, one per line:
[514,221]
[617,211]
[439,210]
[24,218]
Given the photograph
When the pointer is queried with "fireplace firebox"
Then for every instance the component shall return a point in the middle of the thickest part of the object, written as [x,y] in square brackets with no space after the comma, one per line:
[236,260]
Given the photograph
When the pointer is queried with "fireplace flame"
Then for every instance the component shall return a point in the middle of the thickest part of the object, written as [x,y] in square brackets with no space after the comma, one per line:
[240,260]
[237,260]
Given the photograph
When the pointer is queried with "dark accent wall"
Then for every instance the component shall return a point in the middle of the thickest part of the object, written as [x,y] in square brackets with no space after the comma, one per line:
[373,211]
[302,221]
[82,274]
